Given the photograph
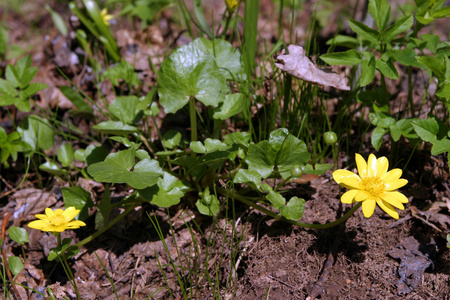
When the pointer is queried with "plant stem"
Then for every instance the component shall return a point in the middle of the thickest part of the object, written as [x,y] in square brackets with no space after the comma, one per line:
[278,217]
[66,267]
[110,224]
[193,116]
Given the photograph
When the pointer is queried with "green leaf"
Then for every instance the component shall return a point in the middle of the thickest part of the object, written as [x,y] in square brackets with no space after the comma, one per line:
[76,99]
[190,72]
[63,248]
[294,209]
[65,155]
[37,132]
[398,27]
[377,137]
[126,109]
[250,45]
[233,104]
[387,67]
[343,40]
[15,264]
[18,235]
[207,204]
[119,168]
[436,65]
[79,198]
[276,199]
[104,209]
[282,150]
[406,57]
[396,132]
[92,154]
[115,128]
[123,70]
[33,88]
[228,58]
[241,138]
[348,58]
[247,176]
[426,129]
[440,146]
[380,10]
[199,14]
[367,70]
[167,192]
[52,168]
[171,139]
[444,91]
[364,31]
[432,41]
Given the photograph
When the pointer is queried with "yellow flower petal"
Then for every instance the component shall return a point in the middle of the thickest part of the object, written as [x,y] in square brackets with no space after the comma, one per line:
[70,213]
[41,217]
[361,196]
[392,201]
[399,196]
[338,175]
[395,184]
[361,165]
[368,207]
[371,166]
[348,196]
[351,183]
[388,209]
[38,224]
[49,212]
[393,174]
[382,166]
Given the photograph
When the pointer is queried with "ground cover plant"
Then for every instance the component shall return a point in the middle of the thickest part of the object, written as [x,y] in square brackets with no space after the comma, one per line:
[228,149]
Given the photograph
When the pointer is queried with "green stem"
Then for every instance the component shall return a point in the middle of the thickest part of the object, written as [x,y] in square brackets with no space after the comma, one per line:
[66,267]
[110,224]
[277,217]
[193,116]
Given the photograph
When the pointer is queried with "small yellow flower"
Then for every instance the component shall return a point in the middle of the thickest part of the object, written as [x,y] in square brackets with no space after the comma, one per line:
[105,16]
[57,221]
[374,185]
[232,4]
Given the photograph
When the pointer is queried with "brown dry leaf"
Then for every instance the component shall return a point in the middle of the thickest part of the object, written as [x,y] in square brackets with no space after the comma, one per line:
[298,65]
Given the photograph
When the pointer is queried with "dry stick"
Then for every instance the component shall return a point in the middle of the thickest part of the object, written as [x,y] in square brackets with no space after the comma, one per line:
[5,261]
[328,265]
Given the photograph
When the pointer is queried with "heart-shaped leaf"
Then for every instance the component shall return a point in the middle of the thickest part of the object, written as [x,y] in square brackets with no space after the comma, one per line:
[190,72]
[167,192]
[120,168]
[115,128]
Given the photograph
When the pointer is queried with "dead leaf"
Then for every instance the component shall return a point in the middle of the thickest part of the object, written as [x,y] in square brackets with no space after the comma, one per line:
[298,65]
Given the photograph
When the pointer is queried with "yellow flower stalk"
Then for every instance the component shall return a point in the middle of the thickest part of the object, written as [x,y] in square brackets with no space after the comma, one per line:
[374,185]
[105,16]
[57,221]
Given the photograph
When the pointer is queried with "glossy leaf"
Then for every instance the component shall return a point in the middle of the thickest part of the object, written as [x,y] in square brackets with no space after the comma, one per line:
[79,198]
[65,155]
[233,104]
[228,58]
[15,264]
[37,132]
[276,199]
[348,58]
[380,10]
[190,72]
[115,128]
[167,192]
[121,168]
[18,235]
[294,209]
[208,204]
[126,109]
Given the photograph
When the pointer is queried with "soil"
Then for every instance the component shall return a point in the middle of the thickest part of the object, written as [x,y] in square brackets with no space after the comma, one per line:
[242,253]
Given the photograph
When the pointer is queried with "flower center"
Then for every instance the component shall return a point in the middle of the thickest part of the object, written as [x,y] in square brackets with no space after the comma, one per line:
[58,220]
[373,185]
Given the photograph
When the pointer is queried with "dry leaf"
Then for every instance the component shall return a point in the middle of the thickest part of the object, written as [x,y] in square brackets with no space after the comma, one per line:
[298,65]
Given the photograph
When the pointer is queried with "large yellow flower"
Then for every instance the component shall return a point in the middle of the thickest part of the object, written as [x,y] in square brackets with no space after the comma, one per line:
[374,185]
[57,221]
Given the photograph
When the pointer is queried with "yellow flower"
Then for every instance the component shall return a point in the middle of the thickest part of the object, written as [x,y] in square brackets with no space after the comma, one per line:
[57,221]
[232,4]
[105,16]
[374,185]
